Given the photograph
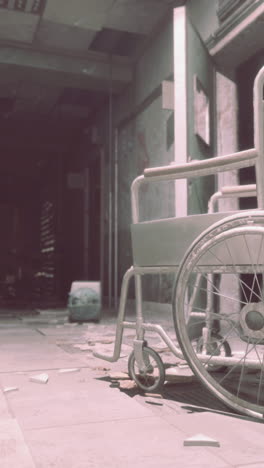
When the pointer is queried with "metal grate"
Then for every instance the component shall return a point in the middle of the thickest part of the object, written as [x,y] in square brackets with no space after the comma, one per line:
[194,394]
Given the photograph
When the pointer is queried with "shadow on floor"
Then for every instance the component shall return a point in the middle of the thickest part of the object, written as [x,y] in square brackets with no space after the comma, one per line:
[192,398]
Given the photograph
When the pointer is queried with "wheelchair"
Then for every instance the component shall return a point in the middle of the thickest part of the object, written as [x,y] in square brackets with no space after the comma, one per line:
[218,296]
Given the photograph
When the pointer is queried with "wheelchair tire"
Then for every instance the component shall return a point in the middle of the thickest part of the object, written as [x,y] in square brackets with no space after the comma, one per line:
[152,379]
[240,382]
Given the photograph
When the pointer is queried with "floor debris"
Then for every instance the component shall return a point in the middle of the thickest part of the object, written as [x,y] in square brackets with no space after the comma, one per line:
[153,395]
[153,402]
[39,378]
[106,340]
[118,376]
[101,368]
[201,440]
[83,347]
[64,371]
[179,374]
[10,389]
[127,384]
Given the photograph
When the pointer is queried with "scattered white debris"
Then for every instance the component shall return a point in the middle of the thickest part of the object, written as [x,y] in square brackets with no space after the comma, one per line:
[64,371]
[201,440]
[39,378]
[10,389]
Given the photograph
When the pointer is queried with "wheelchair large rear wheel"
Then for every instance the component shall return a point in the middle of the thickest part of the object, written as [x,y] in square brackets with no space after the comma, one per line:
[228,302]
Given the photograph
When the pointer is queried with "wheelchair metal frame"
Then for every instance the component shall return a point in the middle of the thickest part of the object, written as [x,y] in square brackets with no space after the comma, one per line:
[234,161]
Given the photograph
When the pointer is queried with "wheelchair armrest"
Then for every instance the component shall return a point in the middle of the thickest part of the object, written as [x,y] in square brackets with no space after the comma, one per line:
[204,167]
[240,190]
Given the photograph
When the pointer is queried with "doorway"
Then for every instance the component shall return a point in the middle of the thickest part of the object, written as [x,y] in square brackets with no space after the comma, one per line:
[245,76]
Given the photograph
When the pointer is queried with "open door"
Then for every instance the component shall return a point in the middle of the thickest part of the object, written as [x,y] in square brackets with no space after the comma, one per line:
[194,111]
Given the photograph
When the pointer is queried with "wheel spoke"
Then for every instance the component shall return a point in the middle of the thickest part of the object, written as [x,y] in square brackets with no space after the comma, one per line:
[152,377]
[228,300]
[253,266]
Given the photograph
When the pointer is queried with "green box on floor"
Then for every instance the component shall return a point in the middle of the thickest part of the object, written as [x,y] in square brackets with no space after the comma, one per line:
[84,303]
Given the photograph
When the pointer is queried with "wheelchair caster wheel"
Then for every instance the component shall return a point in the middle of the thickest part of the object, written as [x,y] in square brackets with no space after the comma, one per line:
[216,347]
[152,378]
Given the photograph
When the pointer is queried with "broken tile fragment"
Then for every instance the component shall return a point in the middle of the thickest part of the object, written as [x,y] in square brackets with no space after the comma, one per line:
[201,440]
[10,389]
[119,376]
[39,378]
[153,402]
[115,384]
[64,371]
[153,395]
[127,384]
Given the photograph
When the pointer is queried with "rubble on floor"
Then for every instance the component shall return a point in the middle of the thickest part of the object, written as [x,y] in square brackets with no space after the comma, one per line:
[10,389]
[201,440]
[118,376]
[127,385]
[179,375]
[64,371]
[39,378]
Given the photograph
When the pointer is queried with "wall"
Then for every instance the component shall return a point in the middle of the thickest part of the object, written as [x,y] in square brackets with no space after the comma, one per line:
[154,65]
[142,128]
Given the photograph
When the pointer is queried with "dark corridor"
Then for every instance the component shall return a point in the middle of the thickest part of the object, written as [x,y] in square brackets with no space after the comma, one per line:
[42,211]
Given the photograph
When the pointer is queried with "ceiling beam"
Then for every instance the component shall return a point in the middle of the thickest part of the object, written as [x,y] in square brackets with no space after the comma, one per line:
[94,70]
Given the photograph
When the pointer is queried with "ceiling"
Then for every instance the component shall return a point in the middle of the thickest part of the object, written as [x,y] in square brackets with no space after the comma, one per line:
[57,60]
